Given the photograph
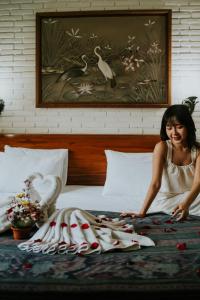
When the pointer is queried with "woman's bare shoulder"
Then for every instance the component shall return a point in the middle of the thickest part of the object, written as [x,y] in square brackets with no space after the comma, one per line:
[161,146]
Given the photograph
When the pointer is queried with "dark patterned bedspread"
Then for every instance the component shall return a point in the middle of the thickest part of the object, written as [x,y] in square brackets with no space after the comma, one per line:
[173,264]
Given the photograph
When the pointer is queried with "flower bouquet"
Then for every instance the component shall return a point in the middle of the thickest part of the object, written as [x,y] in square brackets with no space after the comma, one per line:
[23,213]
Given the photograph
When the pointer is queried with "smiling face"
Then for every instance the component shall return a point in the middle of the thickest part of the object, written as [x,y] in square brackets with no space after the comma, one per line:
[176,132]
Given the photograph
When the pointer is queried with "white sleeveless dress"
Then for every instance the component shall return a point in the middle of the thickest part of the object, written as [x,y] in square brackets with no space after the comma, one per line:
[176,184]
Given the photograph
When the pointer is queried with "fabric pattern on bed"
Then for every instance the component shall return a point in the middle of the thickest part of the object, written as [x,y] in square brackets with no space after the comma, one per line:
[163,268]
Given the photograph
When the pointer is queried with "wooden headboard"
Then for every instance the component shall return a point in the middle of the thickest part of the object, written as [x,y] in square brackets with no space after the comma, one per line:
[87,162]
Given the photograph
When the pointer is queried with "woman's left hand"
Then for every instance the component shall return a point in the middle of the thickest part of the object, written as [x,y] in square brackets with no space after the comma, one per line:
[182,211]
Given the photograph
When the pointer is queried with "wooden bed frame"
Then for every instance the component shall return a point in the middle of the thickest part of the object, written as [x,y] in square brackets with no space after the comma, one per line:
[87,162]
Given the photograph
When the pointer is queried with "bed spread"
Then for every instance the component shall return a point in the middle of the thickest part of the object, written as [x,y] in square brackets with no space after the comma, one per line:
[173,264]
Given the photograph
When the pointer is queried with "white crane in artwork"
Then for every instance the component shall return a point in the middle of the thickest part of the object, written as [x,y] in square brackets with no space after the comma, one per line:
[105,68]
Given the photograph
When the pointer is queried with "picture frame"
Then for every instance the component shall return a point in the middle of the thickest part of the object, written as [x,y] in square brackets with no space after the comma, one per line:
[103,59]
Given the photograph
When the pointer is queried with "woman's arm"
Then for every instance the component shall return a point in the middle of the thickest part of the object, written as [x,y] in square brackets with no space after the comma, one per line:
[183,208]
[159,156]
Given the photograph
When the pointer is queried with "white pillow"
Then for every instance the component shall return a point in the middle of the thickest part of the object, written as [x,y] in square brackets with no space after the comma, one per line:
[128,174]
[61,154]
[15,169]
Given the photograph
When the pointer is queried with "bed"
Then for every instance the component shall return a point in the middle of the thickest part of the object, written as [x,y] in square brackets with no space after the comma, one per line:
[156,272]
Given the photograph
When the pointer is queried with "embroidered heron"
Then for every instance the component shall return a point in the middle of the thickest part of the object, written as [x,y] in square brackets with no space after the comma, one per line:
[74,71]
[105,68]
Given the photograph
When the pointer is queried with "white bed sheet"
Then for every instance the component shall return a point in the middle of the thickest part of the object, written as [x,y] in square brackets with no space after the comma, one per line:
[90,198]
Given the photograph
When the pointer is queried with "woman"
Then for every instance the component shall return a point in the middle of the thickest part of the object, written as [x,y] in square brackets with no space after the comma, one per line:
[175,182]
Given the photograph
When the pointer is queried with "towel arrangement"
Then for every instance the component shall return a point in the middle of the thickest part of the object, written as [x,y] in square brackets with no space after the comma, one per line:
[76,231]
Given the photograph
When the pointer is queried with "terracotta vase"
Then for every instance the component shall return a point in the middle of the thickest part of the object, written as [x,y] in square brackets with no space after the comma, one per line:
[21,233]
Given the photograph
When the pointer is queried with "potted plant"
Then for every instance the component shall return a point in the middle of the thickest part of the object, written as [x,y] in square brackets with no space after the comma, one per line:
[190,102]
[23,214]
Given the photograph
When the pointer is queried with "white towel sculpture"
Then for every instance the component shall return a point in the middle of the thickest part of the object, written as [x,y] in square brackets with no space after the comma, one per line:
[72,230]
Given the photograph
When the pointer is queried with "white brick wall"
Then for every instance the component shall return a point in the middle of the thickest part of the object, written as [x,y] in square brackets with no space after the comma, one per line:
[17,69]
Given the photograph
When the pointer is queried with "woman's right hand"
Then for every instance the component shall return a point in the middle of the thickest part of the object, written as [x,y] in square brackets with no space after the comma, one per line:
[132,214]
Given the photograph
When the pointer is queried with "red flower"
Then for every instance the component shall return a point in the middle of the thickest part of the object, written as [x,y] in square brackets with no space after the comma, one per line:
[181,246]
[85,226]
[94,245]
[27,266]
[63,225]
[74,225]
[53,223]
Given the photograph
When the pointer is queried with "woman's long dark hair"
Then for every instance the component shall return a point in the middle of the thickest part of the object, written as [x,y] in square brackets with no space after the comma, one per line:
[180,113]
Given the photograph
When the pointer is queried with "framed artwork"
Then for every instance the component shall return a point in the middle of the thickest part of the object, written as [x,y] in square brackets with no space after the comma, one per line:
[103,59]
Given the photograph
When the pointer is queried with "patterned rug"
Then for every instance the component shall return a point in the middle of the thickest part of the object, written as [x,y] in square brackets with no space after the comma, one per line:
[173,264]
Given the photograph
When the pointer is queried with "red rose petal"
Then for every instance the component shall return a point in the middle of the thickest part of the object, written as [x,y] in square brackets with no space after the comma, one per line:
[94,245]
[181,246]
[74,225]
[85,226]
[63,225]
[27,266]
[169,221]
[53,223]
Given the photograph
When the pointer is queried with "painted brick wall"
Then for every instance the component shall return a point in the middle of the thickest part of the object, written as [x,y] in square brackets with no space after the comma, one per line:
[17,69]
